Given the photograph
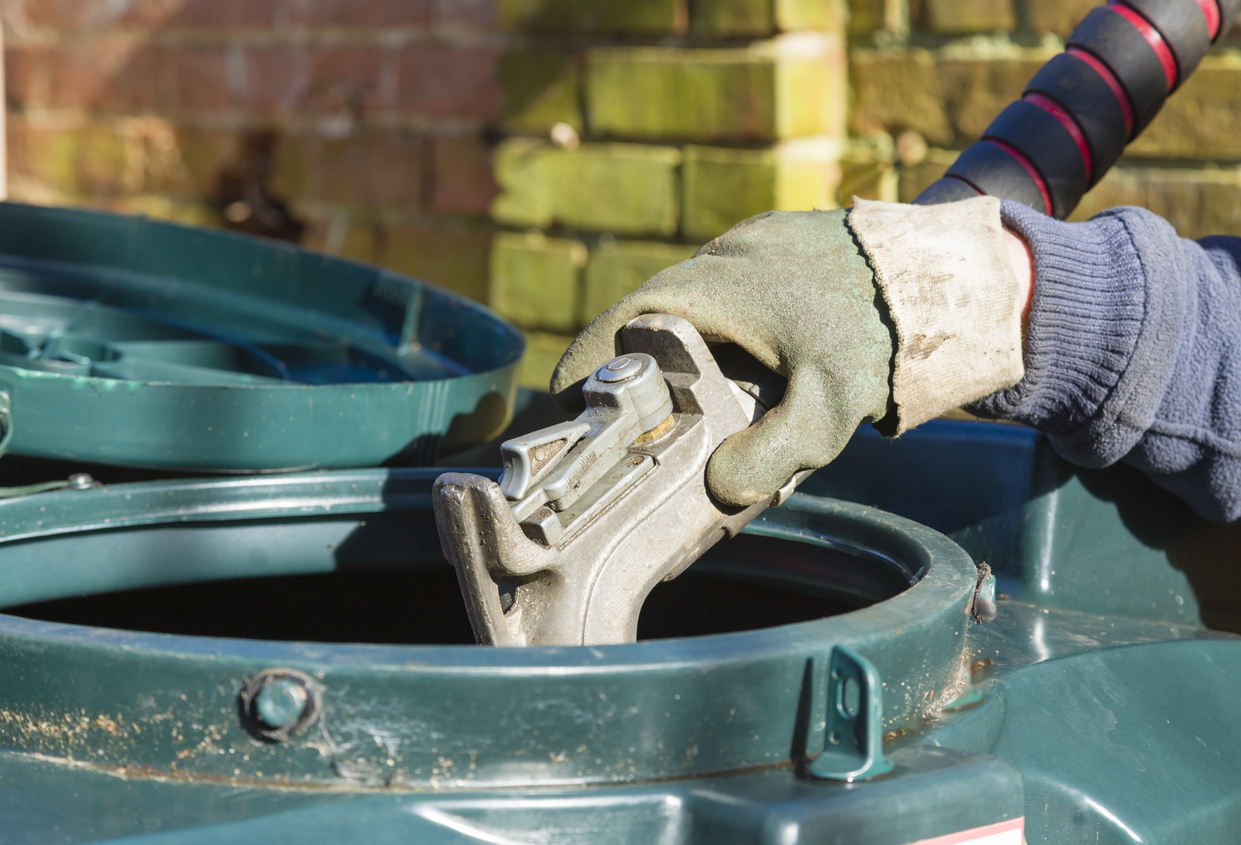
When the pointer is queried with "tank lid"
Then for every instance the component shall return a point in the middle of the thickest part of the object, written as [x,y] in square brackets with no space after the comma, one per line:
[133,342]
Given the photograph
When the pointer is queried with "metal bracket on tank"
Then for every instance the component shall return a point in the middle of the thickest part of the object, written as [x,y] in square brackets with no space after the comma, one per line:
[591,514]
[854,730]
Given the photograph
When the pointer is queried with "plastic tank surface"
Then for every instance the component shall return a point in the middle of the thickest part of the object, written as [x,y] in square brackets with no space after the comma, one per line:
[133,342]
[145,622]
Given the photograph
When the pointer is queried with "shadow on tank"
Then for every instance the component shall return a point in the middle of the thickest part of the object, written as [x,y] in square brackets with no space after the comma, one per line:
[376,598]
[1106,541]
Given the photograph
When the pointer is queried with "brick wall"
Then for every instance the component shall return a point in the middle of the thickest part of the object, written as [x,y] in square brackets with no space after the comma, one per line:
[357,126]
[652,126]
[547,156]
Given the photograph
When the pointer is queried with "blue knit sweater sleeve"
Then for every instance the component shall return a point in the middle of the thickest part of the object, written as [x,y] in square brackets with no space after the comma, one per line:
[1134,351]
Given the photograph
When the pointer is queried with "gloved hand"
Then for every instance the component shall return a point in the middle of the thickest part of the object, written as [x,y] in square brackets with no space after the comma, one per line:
[886,312]
[794,290]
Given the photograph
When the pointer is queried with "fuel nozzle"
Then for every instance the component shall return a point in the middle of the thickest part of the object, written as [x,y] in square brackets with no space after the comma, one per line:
[591,514]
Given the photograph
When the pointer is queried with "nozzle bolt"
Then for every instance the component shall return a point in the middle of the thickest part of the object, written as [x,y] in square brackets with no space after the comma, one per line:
[619,369]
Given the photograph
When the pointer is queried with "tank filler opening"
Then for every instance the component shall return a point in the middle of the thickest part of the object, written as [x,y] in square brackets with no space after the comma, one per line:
[749,583]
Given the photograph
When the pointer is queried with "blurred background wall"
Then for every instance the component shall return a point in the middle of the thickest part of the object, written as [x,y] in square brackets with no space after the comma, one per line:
[547,156]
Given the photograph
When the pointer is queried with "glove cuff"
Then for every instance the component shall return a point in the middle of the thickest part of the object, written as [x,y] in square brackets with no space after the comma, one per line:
[945,275]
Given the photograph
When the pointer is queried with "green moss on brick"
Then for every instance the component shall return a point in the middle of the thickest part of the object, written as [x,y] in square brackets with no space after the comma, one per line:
[453,257]
[647,17]
[543,352]
[53,159]
[826,15]
[620,188]
[810,96]
[203,153]
[866,17]
[521,172]
[1059,18]
[763,17]
[1203,120]
[959,17]
[741,94]
[867,170]
[540,89]
[161,207]
[650,92]
[363,241]
[535,280]
[916,178]
[733,17]
[84,161]
[618,269]
[947,98]
[1197,202]
[101,161]
[725,186]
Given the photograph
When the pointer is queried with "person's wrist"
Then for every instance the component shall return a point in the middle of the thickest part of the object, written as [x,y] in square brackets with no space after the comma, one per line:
[1022,260]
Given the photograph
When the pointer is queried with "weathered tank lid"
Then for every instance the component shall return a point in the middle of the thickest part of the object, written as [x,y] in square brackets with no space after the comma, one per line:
[134,342]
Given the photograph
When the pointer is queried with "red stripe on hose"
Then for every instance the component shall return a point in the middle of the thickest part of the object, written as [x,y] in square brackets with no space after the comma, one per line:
[1053,108]
[1152,37]
[1105,73]
[1028,168]
[1210,11]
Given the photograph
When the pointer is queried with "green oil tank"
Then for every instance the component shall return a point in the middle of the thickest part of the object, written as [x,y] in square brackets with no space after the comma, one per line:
[287,659]
[285,656]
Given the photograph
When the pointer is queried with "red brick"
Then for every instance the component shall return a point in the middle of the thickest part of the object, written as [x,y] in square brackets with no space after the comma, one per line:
[148,13]
[462,181]
[96,15]
[274,79]
[380,167]
[130,81]
[293,79]
[358,12]
[67,14]
[375,167]
[447,81]
[349,77]
[479,15]
[80,72]
[227,13]
[90,14]
[27,76]
[98,73]
[199,79]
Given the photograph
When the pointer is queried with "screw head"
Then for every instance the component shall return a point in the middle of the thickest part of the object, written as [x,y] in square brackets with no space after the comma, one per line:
[81,481]
[276,703]
[281,702]
[619,369]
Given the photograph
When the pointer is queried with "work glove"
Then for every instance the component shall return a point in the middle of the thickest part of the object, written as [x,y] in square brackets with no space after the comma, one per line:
[847,313]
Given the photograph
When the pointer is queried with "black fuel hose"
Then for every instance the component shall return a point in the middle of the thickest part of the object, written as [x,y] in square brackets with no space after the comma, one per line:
[1080,110]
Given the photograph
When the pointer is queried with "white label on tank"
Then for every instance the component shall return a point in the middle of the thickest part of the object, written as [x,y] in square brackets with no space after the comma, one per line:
[1000,833]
